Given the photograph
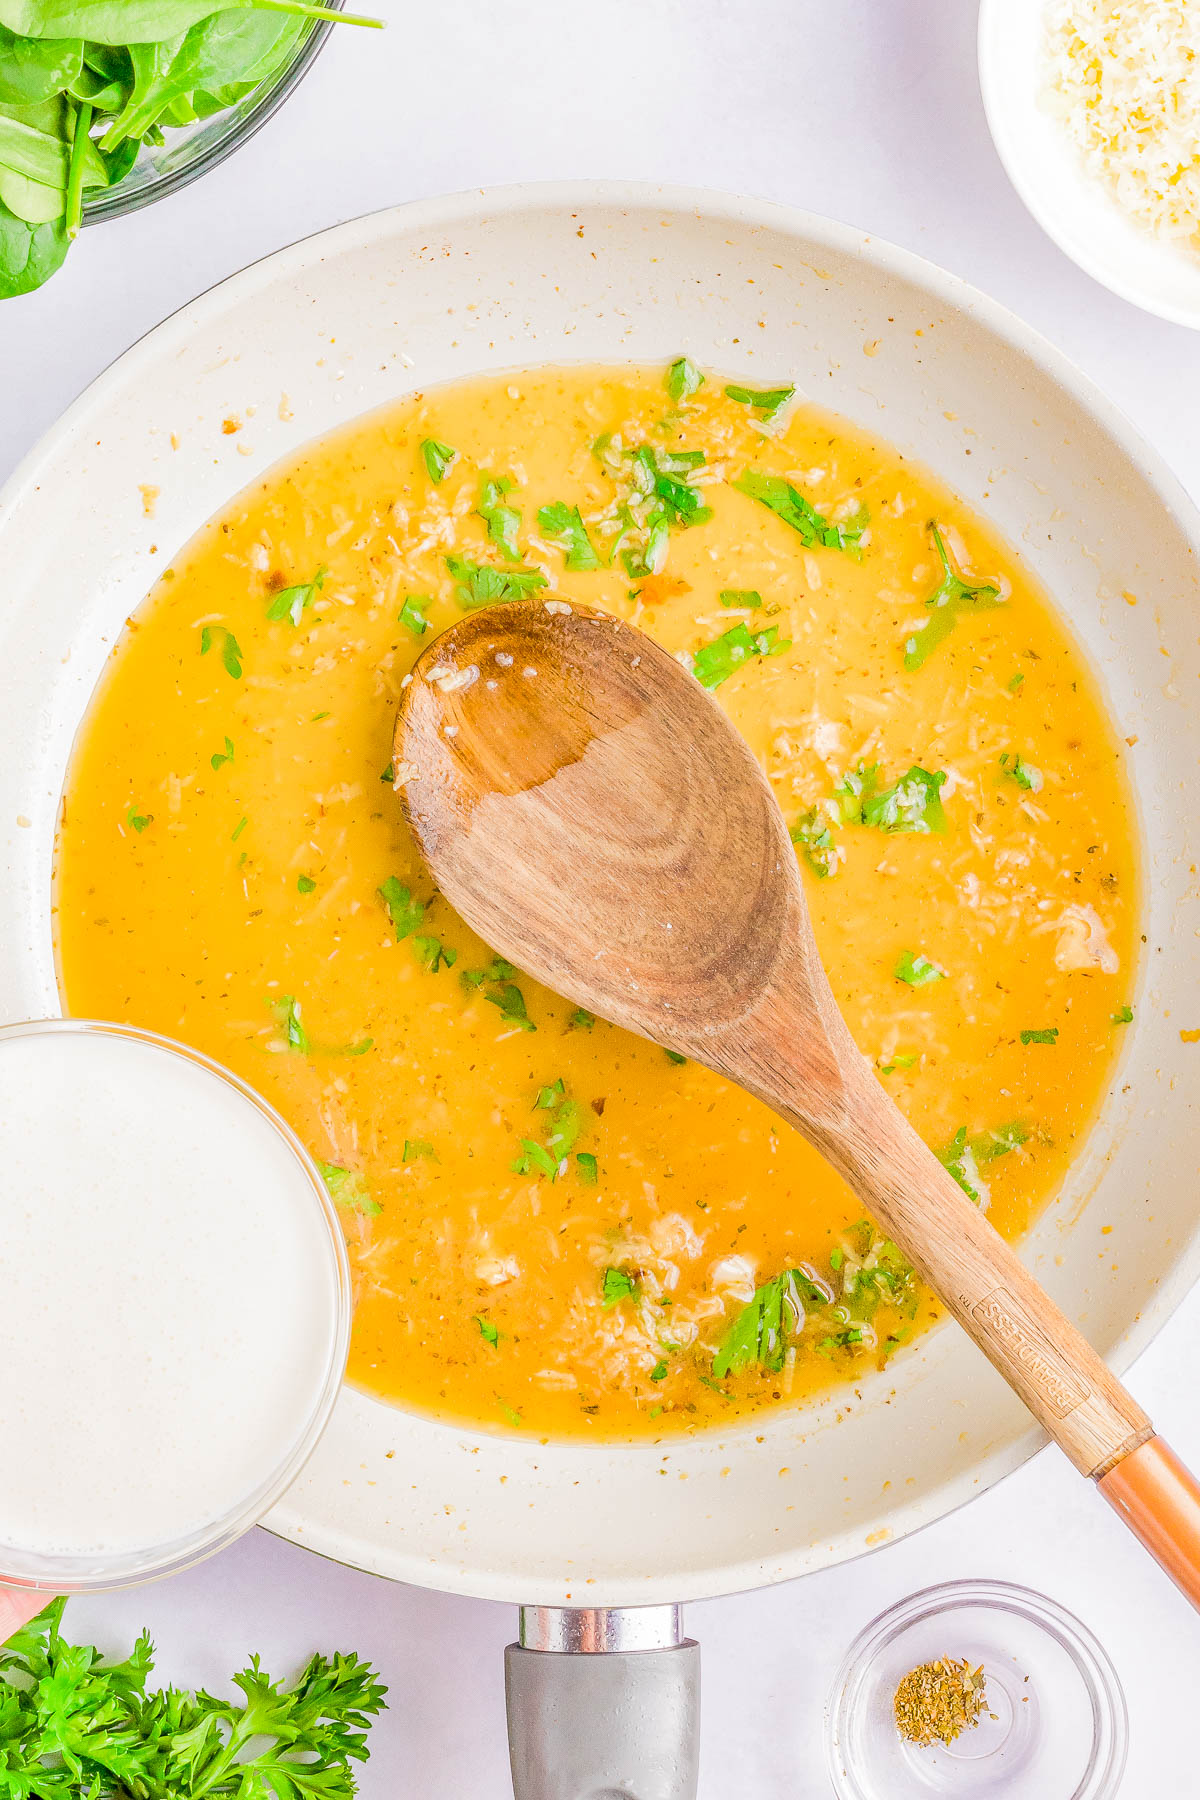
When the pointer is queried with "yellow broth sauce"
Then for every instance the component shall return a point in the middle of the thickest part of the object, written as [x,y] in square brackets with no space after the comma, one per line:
[555,1226]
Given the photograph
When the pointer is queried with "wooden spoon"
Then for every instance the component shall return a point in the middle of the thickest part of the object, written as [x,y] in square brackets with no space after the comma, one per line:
[590,811]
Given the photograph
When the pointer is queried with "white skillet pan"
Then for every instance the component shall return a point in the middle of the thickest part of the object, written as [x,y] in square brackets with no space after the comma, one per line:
[426,293]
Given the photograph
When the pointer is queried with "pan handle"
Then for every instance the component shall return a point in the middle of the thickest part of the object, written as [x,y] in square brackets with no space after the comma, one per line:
[603,1700]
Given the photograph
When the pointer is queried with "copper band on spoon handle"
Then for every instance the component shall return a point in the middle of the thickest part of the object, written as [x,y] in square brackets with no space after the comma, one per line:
[1159,1500]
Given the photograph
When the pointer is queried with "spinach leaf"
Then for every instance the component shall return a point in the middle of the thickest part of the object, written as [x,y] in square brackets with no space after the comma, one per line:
[34,69]
[106,77]
[142,21]
[236,48]
[134,67]
[29,254]
[33,149]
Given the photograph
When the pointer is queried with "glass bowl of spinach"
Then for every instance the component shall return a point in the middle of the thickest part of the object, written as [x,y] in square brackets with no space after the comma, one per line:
[107,105]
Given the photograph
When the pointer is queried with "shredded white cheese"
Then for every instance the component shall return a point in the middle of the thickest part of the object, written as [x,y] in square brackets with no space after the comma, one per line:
[1125,81]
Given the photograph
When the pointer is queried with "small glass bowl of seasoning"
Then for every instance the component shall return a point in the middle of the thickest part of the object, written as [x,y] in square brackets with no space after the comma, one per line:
[976,1688]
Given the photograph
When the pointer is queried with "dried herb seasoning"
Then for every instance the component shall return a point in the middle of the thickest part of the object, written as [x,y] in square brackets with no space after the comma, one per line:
[936,1702]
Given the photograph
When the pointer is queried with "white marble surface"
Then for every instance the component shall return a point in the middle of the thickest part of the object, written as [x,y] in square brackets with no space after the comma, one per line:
[867,110]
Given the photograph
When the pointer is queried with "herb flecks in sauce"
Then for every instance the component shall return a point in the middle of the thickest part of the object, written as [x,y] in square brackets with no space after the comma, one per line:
[420,1077]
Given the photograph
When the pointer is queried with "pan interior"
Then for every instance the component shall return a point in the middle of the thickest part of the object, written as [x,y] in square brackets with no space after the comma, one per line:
[433,293]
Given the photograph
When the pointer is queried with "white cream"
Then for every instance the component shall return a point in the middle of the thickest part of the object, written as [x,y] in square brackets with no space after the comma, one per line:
[168,1298]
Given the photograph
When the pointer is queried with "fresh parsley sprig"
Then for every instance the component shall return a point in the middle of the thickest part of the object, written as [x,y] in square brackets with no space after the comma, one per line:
[73,1724]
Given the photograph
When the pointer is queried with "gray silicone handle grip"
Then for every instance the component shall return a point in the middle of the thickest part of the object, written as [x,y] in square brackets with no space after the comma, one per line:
[618,1726]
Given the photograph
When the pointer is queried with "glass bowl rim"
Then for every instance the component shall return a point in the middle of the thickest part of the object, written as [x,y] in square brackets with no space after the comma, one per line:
[113,204]
[64,1575]
[1089,1656]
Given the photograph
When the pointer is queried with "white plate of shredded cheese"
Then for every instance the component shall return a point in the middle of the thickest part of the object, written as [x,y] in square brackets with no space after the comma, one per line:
[1094,107]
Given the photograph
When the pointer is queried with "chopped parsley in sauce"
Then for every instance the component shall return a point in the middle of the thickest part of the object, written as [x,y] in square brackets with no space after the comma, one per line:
[617,1285]
[716,662]
[951,596]
[503,521]
[433,954]
[564,526]
[290,602]
[683,379]
[481,585]
[813,833]
[437,458]
[562,1132]
[287,1011]
[1015,768]
[348,1188]
[911,804]
[964,1156]
[790,505]
[231,654]
[495,983]
[867,1272]
[404,912]
[767,401]
[411,615]
[917,969]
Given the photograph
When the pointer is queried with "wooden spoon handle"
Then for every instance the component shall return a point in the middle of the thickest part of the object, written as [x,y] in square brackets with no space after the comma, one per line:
[904,1187]
[830,1093]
